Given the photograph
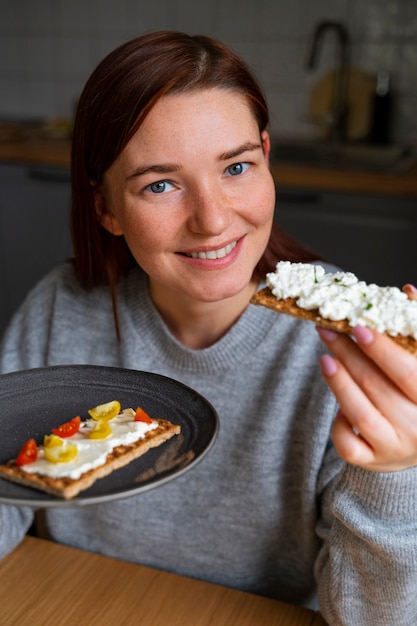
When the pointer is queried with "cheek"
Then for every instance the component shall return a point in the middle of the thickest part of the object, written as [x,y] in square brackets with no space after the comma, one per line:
[147,237]
[264,205]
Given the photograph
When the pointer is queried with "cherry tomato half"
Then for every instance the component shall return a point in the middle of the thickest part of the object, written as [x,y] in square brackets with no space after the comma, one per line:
[142,416]
[69,428]
[28,453]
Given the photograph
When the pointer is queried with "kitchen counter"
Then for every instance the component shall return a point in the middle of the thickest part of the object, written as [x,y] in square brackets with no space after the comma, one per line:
[56,152]
[402,184]
[53,152]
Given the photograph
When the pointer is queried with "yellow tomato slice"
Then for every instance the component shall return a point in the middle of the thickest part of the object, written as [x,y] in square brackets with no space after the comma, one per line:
[106,411]
[52,441]
[101,430]
[61,453]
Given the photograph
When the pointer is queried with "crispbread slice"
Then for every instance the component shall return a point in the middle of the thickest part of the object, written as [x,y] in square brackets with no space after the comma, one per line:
[120,456]
[266,298]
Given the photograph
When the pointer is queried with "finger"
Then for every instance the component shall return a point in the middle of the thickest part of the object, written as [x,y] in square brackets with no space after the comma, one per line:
[356,406]
[350,445]
[380,390]
[411,291]
[386,420]
[399,365]
[354,449]
[361,434]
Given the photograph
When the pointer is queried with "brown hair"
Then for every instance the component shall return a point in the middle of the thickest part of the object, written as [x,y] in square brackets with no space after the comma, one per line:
[115,101]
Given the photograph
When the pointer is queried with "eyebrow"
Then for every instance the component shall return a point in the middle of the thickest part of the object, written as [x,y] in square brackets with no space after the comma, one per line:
[168,168]
[163,168]
[245,147]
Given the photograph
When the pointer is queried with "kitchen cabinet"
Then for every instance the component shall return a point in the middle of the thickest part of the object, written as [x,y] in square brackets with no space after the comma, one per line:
[34,229]
[373,236]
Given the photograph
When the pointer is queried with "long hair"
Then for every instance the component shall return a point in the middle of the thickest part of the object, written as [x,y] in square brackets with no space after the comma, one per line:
[116,99]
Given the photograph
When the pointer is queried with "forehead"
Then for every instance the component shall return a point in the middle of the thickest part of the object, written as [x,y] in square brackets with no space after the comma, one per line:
[188,128]
[198,113]
[201,102]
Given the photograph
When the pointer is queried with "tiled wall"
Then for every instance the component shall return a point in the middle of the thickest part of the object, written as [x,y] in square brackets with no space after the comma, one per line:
[49,47]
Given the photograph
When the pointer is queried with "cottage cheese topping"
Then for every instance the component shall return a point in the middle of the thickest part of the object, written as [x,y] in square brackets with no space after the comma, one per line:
[92,452]
[341,296]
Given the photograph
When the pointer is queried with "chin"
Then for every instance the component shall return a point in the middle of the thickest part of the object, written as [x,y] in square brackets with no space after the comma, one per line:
[219,293]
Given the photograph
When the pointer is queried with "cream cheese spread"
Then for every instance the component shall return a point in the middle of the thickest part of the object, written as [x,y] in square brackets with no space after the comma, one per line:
[342,296]
[92,453]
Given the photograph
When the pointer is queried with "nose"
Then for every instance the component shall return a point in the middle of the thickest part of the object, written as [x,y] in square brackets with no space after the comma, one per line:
[211,210]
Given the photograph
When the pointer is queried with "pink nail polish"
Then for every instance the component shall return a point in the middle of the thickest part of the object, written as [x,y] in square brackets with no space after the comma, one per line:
[326,334]
[363,335]
[328,365]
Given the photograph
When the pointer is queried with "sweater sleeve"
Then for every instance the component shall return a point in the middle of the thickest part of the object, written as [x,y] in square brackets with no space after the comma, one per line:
[367,568]
[14,524]
[22,347]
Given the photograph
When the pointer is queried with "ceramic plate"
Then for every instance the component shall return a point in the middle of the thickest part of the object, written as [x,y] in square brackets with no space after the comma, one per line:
[34,401]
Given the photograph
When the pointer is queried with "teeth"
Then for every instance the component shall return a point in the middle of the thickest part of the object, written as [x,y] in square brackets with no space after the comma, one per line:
[214,254]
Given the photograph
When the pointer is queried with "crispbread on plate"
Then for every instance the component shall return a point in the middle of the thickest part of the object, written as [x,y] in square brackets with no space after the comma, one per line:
[288,306]
[120,456]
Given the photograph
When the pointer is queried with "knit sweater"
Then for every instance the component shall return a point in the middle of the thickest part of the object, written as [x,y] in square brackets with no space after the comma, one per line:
[271,509]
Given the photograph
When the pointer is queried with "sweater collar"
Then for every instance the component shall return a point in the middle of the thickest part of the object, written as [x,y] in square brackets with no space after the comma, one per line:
[234,347]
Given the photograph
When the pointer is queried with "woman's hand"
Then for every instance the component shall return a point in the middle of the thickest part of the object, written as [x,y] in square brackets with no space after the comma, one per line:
[375,383]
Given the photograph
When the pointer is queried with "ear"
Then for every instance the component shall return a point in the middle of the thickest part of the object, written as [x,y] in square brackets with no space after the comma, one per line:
[106,219]
[266,144]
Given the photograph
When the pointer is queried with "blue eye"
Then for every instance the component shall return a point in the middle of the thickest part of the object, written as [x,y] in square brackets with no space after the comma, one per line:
[237,168]
[160,186]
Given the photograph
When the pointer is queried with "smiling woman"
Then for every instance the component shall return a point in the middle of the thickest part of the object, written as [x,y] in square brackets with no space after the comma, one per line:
[172,222]
[146,132]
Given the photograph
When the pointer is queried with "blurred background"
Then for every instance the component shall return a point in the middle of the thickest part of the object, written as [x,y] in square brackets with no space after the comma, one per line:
[48,48]
[341,80]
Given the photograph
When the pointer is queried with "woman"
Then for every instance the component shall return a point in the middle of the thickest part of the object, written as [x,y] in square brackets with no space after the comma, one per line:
[173,232]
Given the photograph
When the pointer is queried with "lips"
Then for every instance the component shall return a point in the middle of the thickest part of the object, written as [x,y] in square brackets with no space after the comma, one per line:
[219,253]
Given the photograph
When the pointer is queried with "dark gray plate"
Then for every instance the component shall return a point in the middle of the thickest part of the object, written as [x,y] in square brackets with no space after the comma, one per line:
[34,401]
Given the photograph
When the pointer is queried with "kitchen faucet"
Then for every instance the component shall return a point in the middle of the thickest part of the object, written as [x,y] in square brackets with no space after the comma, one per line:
[339,114]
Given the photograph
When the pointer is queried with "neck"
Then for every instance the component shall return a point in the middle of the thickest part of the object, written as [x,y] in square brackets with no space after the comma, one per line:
[196,324]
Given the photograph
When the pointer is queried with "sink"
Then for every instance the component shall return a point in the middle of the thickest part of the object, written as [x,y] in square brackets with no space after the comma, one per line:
[392,158]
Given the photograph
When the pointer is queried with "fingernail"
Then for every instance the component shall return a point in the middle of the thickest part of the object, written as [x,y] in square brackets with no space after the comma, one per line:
[326,334]
[328,365]
[363,335]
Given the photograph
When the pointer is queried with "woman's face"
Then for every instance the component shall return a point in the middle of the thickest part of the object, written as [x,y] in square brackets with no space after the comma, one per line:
[193,196]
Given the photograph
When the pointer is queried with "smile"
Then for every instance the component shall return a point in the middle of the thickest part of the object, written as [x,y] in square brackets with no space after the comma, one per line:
[213,254]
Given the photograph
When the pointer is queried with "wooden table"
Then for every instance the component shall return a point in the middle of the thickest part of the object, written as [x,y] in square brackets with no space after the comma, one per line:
[42,583]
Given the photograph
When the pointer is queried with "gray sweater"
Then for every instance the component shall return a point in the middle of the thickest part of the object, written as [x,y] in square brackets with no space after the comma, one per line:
[271,509]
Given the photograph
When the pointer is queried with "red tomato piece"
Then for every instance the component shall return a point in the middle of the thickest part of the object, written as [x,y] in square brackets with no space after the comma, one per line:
[28,453]
[69,428]
[142,416]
